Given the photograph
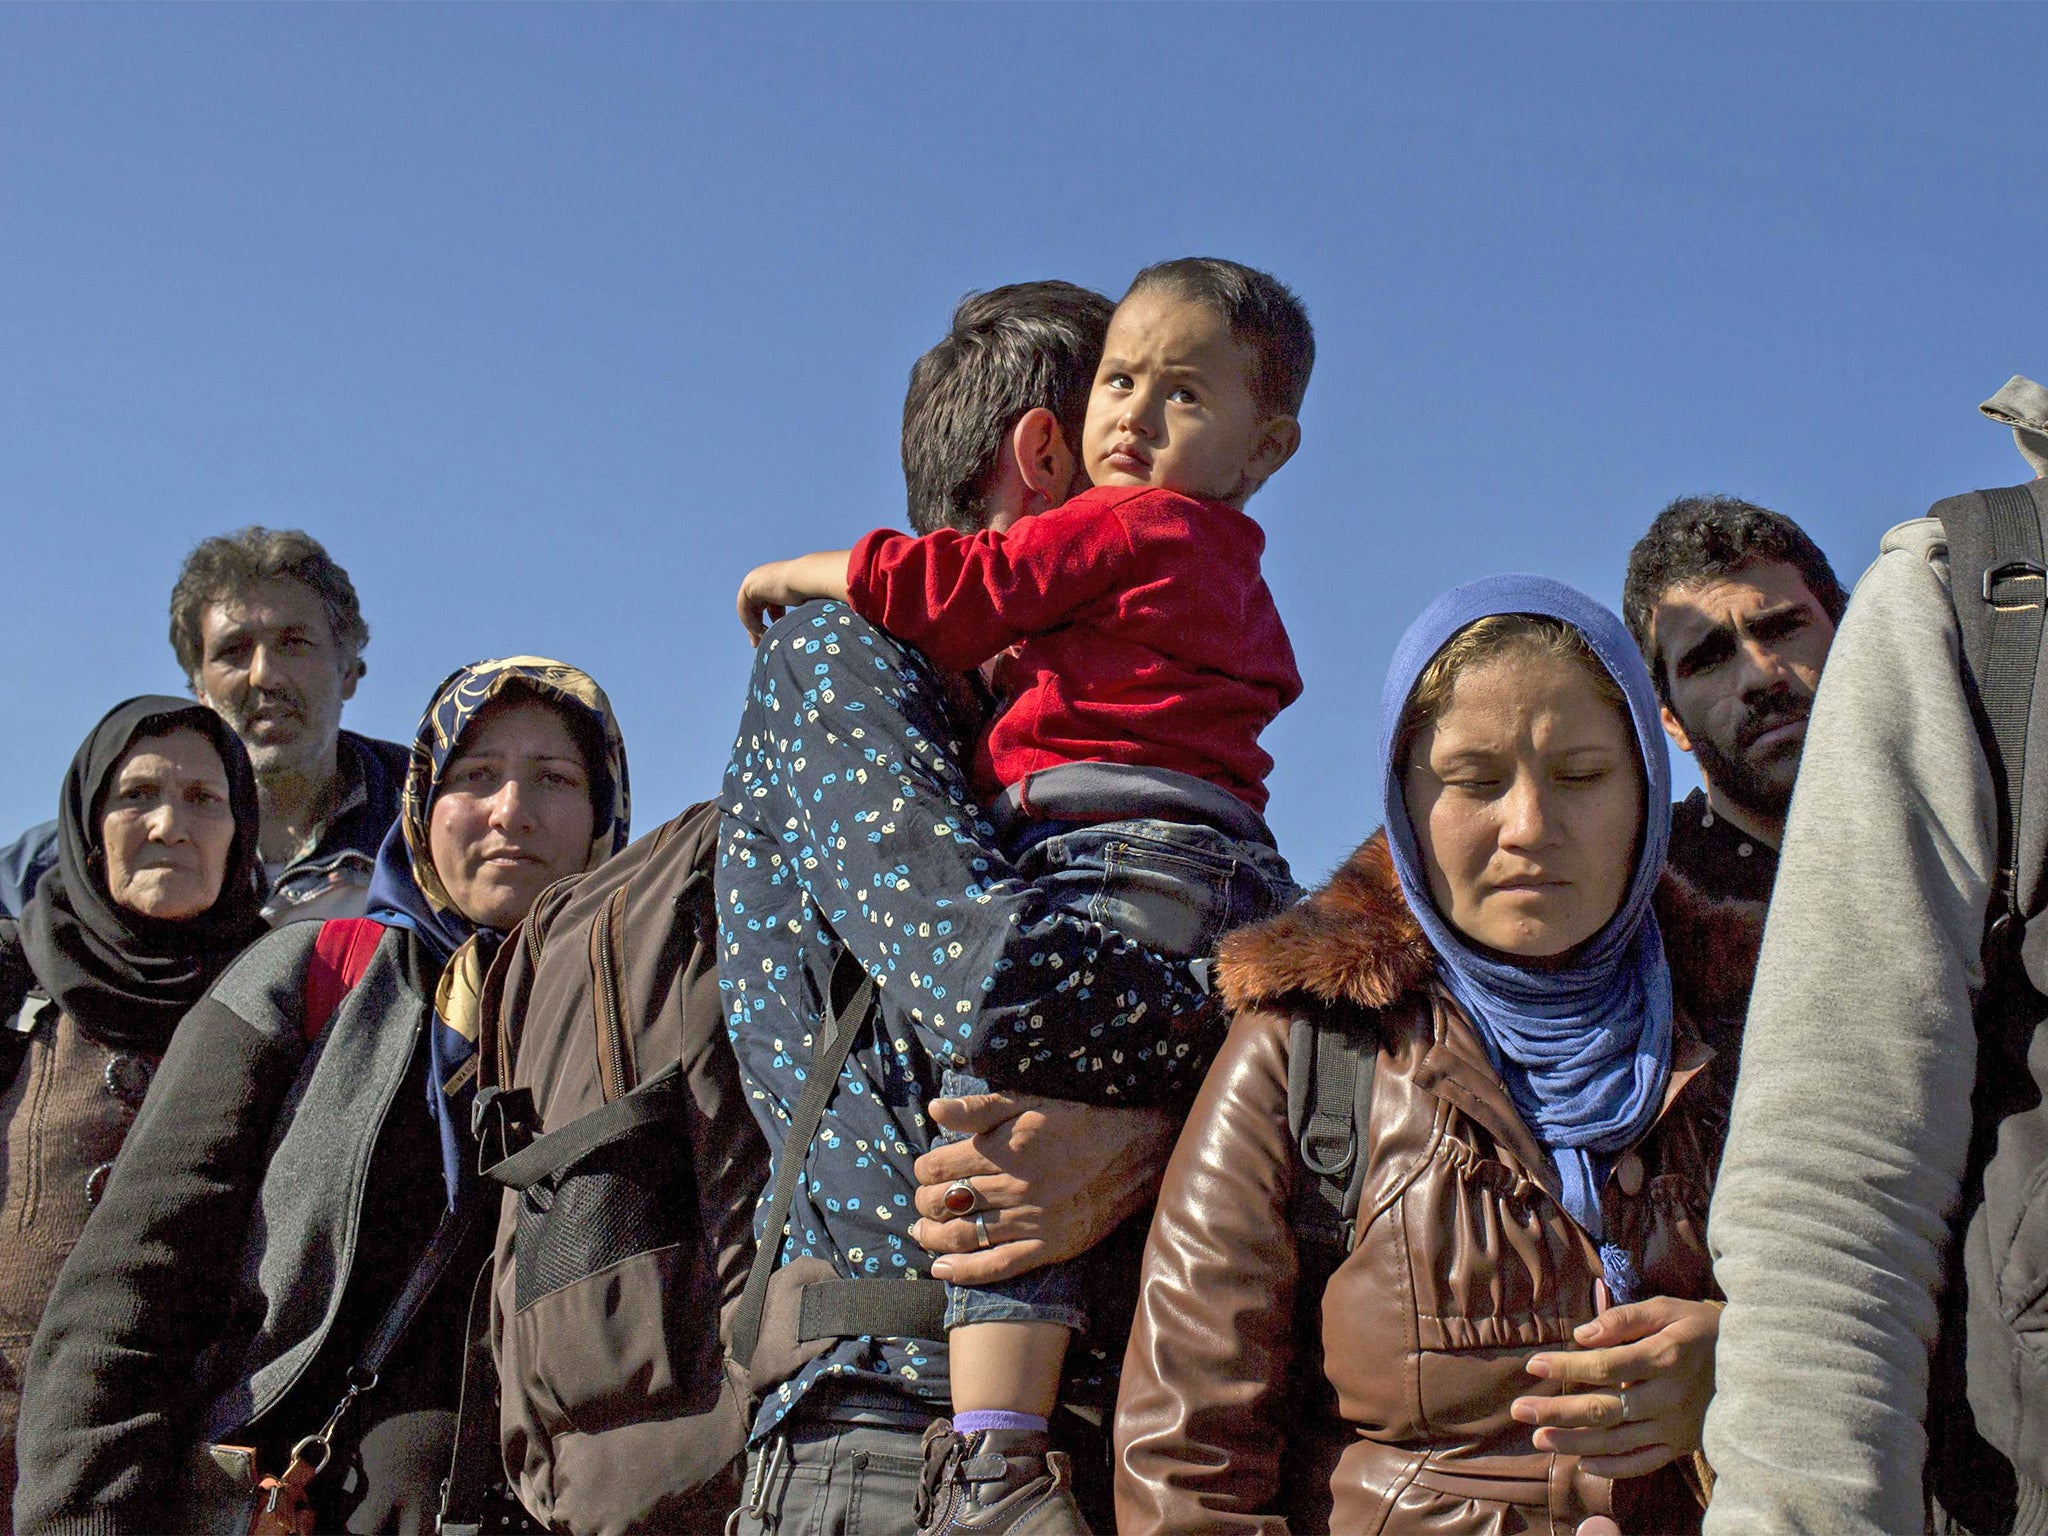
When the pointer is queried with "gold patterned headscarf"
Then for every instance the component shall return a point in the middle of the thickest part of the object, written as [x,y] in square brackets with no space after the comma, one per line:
[406,892]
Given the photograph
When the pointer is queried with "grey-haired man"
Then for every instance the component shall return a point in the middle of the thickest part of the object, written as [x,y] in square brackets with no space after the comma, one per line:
[268,632]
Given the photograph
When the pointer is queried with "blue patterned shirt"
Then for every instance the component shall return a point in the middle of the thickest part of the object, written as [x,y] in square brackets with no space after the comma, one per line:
[848,820]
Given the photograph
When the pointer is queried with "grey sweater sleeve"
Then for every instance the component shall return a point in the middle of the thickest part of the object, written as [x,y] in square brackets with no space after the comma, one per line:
[1852,1111]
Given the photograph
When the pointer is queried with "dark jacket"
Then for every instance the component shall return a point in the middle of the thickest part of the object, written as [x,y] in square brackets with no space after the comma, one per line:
[1465,1264]
[234,1240]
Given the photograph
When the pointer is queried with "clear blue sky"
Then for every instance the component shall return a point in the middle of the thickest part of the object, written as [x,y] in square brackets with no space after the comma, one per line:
[552,321]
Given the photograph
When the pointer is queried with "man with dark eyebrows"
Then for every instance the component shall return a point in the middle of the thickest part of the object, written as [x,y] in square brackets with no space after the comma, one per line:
[1734,608]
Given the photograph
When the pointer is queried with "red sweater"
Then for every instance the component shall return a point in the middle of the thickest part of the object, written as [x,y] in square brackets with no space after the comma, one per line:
[1142,632]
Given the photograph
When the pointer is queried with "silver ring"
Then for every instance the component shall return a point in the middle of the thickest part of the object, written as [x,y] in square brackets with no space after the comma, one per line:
[1622,1393]
[952,1201]
[982,1238]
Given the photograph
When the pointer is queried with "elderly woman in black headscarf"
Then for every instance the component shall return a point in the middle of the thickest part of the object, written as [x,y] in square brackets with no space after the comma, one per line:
[153,894]
[282,1262]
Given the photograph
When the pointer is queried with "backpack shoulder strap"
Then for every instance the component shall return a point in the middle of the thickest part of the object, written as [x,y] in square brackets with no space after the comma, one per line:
[1998,583]
[1330,1069]
[340,955]
[913,1309]
[1329,1104]
[829,1053]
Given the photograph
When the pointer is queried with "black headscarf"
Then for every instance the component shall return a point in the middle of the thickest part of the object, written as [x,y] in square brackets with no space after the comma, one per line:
[125,978]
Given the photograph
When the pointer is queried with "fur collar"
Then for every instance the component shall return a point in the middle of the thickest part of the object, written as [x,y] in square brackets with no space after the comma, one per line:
[1355,941]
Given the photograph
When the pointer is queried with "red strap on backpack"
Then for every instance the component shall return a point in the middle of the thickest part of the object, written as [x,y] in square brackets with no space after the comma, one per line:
[340,956]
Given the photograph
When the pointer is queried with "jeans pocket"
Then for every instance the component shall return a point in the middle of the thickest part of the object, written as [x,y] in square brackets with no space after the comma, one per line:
[1166,895]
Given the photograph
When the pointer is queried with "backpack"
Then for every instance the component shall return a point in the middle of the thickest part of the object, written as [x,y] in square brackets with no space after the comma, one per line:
[1988,1402]
[631,1322]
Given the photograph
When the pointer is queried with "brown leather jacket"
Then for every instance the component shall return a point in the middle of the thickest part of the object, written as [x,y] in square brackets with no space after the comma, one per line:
[1465,1262]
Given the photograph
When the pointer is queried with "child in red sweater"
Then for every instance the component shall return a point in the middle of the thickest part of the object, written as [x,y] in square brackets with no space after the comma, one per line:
[1138,655]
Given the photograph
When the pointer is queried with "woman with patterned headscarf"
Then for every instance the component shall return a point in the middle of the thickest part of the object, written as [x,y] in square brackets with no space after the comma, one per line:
[300,1186]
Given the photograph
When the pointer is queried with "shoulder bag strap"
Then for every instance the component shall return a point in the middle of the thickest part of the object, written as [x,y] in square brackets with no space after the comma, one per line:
[310,1455]
[475,1469]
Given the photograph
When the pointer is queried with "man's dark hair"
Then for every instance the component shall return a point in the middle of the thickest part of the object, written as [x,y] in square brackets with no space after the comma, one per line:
[1010,349]
[1264,315]
[220,569]
[1704,538]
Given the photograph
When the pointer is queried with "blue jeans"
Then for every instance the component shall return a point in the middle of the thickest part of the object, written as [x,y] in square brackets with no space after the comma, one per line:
[1174,887]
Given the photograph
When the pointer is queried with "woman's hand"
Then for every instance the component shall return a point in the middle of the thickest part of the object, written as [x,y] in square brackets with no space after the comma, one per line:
[771,590]
[1661,1353]
[1054,1179]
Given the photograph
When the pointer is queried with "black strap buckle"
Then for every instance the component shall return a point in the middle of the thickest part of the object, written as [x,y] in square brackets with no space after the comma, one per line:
[504,1122]
[2013,570]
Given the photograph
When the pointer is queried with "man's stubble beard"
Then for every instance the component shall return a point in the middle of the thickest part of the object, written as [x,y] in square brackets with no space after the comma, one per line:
[309,755]
[1751,787]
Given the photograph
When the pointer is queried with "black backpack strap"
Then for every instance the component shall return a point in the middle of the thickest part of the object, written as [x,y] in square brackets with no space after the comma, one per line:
[1998,582]
[1329,1100]
[659,1100]
[828,1055]
[1998,585]
[909,1309]
[882,1309]
[1330,1067]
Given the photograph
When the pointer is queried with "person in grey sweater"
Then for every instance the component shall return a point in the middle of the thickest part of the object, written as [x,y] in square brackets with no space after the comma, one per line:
[1852,1118]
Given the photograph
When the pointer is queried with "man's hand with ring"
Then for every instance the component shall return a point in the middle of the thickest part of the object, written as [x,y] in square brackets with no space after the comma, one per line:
[1635,1393]
[1050,1179]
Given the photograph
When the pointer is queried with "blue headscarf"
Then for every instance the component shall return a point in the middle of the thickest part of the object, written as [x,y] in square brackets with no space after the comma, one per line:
[405,891]
[1584,1049]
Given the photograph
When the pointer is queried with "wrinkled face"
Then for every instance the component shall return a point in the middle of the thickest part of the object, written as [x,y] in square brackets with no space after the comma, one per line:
[1526,797]
[512,814]
[167,826]
[1172,403]
[270,667]
[1742,656]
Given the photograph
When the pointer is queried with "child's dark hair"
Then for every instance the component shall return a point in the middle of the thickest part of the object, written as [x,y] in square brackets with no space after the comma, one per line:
[1264,315]
[1010,350]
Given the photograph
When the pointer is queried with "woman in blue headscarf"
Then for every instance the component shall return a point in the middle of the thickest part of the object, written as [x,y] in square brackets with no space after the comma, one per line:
[1430,1255]
[299,1191]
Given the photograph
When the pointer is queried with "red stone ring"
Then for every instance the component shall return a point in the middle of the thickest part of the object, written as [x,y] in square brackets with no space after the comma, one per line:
[960,1199]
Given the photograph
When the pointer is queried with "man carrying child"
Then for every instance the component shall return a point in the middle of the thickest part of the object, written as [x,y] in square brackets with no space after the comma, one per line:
[1137,656]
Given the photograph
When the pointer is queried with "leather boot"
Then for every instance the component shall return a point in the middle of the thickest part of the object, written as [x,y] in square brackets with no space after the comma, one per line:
[1008,1481]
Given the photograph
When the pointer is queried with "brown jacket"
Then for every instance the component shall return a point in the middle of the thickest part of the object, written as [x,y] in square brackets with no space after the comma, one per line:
[1465,1263]
[66,1114]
